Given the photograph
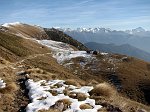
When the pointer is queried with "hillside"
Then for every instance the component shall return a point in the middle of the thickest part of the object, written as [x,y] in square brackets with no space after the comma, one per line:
[48,75]
[36,32]
[121,49]
[24,30]
[13,47]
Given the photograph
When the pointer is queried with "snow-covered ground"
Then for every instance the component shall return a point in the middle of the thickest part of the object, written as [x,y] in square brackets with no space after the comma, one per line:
[2,83]
[42,98]
[62,51]
[11,24]
[55,46]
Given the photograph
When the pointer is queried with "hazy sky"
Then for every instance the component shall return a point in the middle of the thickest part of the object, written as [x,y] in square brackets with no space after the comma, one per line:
[115,14]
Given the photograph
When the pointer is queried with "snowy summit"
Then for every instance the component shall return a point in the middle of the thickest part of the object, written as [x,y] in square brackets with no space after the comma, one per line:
[11,24]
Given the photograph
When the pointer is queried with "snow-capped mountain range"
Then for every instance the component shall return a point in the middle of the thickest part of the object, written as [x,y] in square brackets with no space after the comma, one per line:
[137,37]
[93,30]
[102,30]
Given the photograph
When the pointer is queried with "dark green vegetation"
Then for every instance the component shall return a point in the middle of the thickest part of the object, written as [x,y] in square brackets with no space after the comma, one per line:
[57,35]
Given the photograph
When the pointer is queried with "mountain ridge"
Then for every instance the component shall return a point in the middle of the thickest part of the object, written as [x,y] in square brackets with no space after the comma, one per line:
[100,29]
[121,49]
[37,32]
[137,37]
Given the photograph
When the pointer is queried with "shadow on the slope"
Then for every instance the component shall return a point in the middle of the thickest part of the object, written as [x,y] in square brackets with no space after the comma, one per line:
[145,88]
[114,79]
[24,95]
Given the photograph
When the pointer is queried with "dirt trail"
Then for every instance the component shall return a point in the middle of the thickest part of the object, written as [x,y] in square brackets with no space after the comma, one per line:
[13,65]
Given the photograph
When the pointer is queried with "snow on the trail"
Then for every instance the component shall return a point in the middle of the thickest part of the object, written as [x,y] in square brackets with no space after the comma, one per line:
[63,56]
[104,53]
[2,83]
[11,24]
[55,46]
[42,98]
[62,51]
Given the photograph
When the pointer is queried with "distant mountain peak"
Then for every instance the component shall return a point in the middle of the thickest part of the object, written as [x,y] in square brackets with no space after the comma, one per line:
[139,29]
[92,30]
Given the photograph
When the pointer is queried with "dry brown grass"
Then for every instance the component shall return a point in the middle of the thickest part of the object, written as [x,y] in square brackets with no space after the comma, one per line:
[10,87]
[3,61]
[39,74]
[58,85]
[50,110]
[128,105]
[124,104]
[6,101]
[13,47]
[66,103]
[103,89]
[66,92]
[72,95]
[92,82]
[28,31]
[72,82]
[134,74]
[79,96]
[102,110]
[53,92]
[85,106]
[35,70]
[50,65]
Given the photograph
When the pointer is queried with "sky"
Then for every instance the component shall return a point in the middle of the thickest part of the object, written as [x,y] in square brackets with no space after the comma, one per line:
[114,14]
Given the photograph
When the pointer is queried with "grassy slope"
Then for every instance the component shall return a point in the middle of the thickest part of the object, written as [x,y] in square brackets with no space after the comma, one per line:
[12,47]
[134,75]
[15,49]
[27,31]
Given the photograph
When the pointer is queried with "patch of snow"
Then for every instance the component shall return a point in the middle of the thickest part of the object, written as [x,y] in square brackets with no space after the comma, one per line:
[39,93]
[55,46]
[11,24]
[82,64]
[62,51]
[103,53]
[2,83]
[63,56]
[84,89]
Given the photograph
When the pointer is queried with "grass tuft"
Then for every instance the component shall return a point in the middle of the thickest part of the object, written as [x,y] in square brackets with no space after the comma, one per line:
[103,89]
[72,82]
[85,106]
[10,87]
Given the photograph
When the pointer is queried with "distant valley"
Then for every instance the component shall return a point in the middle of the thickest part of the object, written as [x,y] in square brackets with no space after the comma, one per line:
[139,38]
[121,49]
